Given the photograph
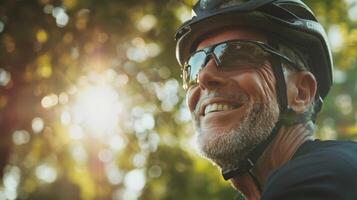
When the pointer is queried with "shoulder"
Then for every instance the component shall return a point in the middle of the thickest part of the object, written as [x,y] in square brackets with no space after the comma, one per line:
[327,170]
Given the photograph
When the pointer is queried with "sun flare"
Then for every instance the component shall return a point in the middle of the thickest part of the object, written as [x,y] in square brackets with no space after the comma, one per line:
[97,109]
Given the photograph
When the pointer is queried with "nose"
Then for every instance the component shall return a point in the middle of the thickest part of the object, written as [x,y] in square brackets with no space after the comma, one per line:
[210,77]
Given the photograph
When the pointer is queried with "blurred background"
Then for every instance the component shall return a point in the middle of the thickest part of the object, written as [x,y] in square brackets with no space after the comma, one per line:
[92,108]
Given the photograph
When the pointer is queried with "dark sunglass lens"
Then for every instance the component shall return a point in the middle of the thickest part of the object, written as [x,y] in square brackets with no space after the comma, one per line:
[233,55]
[220,51]
[194,65]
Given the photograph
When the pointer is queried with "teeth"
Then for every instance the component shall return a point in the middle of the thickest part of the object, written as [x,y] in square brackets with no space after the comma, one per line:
[217,107]
[225,107]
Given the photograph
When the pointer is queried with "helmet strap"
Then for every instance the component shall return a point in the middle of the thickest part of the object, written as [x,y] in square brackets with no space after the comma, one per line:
[287,116]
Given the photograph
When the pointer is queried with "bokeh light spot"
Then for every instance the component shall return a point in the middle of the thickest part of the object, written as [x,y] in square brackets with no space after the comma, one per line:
[339,76]
[344,102]
[11,181]
[48,9]
[79,154]
[65,118]
[63,98]
[116,142]
[20,137]
[61,16]
[146,23]
[183,13]
[69,3]
[46,173]
[82,19]
[139,160]
[135,180]
[114,175]
[44,68]
[5,77]
[153,50]
[121,80]
[352,11]
[336,38]
[41,36]
[49,101]
[37,125]
[105,155]
[45,71]
[155,171]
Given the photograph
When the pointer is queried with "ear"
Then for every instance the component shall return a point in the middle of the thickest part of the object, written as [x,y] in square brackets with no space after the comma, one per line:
[301,90]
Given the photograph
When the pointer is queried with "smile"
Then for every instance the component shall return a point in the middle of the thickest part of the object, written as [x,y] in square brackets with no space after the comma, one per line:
[218,107]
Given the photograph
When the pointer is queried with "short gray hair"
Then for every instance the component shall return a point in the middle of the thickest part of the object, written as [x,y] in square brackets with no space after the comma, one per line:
[296,56]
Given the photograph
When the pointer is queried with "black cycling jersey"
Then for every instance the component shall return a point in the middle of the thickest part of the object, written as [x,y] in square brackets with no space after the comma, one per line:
[319,170]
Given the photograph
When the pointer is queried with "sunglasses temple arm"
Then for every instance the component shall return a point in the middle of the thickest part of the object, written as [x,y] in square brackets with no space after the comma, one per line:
[275,53]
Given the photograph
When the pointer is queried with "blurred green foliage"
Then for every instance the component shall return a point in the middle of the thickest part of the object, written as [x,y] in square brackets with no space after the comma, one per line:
[117,57]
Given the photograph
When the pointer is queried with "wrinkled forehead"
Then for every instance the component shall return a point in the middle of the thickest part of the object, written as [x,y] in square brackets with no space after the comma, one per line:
[231,34]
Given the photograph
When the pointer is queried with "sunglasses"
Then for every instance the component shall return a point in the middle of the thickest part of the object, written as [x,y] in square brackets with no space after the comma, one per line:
[228,56]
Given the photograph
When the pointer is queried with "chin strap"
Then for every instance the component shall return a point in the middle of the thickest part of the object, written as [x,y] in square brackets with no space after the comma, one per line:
[249,162]
[287,117]
[290,117]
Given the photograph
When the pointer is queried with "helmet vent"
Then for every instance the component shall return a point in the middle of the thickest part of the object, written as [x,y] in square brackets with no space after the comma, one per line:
[233,3]
[208,5]
[299,11]
[278,12]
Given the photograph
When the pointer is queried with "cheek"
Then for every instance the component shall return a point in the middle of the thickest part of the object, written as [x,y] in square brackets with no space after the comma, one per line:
[260,84]
[267,78]
[192,97]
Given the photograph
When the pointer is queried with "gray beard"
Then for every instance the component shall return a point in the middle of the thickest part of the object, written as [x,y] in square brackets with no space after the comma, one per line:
[228,149]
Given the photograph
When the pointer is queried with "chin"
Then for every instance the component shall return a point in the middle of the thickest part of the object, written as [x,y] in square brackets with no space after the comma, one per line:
[227,147]
[220,146]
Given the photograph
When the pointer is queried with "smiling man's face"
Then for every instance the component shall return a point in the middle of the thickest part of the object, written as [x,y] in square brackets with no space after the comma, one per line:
[232,110]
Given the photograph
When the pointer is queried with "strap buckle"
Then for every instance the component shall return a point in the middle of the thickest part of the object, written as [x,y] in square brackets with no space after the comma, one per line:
[245,166]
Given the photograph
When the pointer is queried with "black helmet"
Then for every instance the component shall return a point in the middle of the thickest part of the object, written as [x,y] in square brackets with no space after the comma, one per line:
[289,20]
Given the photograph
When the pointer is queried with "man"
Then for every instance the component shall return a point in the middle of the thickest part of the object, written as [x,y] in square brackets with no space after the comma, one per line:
[255,73]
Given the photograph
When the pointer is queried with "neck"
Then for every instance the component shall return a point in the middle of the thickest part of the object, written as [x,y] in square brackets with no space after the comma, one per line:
[279,152]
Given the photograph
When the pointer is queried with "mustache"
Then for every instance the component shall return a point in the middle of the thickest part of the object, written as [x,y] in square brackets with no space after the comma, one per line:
[235,96]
